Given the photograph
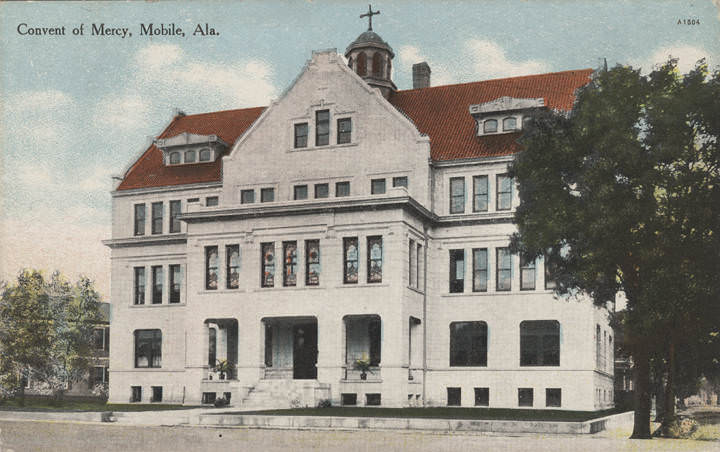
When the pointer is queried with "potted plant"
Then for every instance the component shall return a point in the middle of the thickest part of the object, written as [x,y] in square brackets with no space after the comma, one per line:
[363,365]
[223,368]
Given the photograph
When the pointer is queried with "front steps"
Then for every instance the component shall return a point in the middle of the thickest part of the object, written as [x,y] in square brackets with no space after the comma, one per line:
[276,393]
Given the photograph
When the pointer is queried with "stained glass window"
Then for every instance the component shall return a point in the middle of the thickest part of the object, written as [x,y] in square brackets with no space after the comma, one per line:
[232,257]
[211,267]
[375,256]
[290,264]
[350,258]
[312,262]
[268,264]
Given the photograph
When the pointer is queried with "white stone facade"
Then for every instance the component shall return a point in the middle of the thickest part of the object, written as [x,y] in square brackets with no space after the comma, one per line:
[412,341]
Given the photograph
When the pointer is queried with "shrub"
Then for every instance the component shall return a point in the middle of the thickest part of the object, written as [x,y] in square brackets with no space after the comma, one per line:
[221,402]
[324,403]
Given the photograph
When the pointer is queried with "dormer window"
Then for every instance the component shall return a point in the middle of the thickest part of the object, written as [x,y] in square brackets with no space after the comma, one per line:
[190,157]
[174,158]
[490,126]
[205,155]
[509,124]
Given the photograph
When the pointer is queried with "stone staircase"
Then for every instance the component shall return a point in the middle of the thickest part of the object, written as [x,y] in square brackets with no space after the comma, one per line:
[277,393]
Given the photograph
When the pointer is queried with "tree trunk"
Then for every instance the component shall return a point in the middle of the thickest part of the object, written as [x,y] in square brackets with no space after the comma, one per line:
[668,419]
[641,376]
[658,390]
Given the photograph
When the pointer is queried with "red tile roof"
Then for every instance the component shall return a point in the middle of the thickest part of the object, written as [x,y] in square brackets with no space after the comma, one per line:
[441,112]
[149,170]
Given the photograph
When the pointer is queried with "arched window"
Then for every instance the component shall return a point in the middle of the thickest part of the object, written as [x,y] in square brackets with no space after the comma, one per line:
[174,158]
[468,344]
[205,155]
[361,64]
[189,156]
[509,123]
[490,126]
[377,65]
[540,343]
[350,62]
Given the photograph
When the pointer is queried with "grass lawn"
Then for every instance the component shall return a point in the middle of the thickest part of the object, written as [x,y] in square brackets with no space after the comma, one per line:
[441,413]
[43,404]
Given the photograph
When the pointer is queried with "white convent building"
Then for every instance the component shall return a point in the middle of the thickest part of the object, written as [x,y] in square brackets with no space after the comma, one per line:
[347,221]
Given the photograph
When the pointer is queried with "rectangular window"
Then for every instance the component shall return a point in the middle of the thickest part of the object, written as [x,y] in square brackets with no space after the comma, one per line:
[457,195]
[175,283]
[156,394]
[348,399]
[212,201]
[374,259]
[553,397]
[208,397]
[98,375]
[157,287]
[267,194]
[377,186]
[342,189]
[322,127]
[312,262]
[157,218]
[420,266]
[504,192]
[268,264]
[139,285]
[301,134]
[322,191]
[480,194]
[289,264]
[540,343]
[139,219]
[247,196]
[551,270]
[344,133]
[174,213]
[212,347]
[400,181]
[211,267]
[232,266]
[454,397]
[527,274]
[412,264]
[350,260]
[457,271]
[372,399]
[480,270]
[482,396]
[148,348]
[525,397]
[504,274]
[99,338]
[468,344]
[300,192]
[135,393]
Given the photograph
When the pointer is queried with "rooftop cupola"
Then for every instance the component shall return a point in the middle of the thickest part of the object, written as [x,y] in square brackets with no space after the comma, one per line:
[371,58]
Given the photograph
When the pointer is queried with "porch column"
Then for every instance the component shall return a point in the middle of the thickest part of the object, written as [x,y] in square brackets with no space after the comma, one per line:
[330,353]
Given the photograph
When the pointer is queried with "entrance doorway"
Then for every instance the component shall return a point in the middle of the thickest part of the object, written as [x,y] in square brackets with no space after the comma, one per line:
[305,351]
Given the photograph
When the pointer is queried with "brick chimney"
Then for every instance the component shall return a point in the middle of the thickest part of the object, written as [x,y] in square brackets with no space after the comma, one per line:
[421,75]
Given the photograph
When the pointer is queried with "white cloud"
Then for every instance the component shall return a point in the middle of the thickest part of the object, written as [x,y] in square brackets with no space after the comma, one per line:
[687,56]
[488,60]
[156,56]
[127,112]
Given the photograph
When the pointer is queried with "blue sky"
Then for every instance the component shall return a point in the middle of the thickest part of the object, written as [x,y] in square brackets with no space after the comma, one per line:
[75,110]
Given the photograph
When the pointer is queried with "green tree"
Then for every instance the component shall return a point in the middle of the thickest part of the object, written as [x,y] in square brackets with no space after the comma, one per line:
[622,195]
[47,330]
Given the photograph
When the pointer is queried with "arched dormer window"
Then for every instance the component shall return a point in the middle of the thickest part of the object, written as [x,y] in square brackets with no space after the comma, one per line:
[205,155]
[490,126]
[190,157]
[174,158]
[509,123]
[361,64]
[377,65]
[350,62]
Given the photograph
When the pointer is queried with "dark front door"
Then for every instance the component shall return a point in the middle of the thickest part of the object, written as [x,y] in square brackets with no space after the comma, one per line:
[305,351]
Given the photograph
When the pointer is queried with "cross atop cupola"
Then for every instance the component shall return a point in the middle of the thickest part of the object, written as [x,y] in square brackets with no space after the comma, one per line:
[369,15]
